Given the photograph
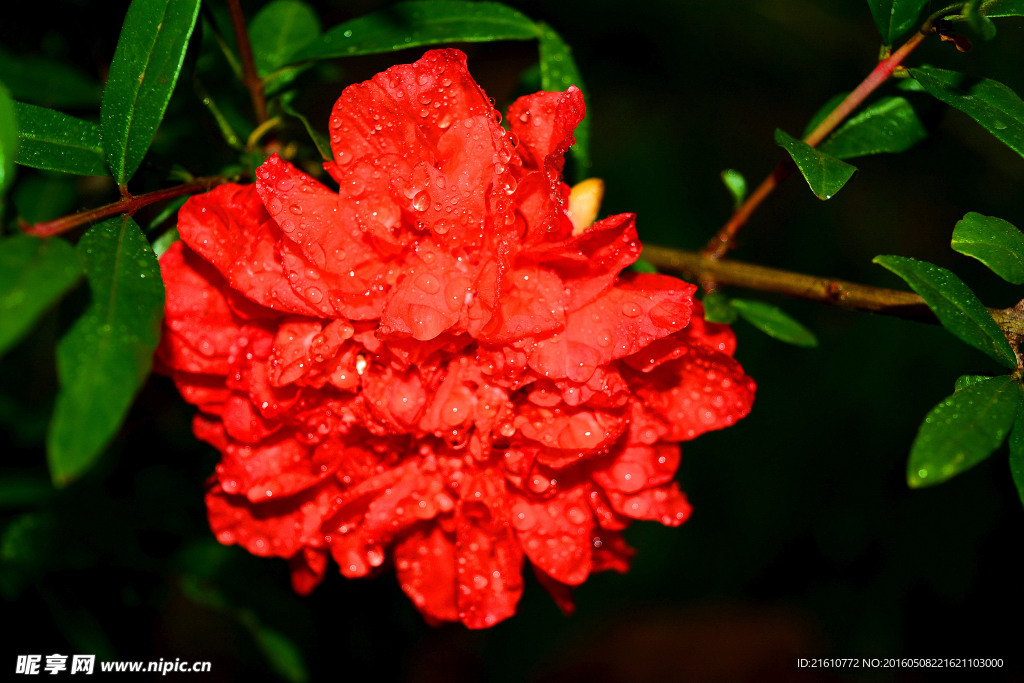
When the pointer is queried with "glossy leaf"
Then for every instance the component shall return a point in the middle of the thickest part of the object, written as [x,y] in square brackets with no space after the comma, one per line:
[46,82]
[994,242]
[895,17]
[54,141]
[718,309]
[823,113]
[145,69]
[736,184]
[1017,450]
[558,71]
[824,173]
[955,305]
[888,125]
[978,22]
[34,274]
[964,381]
[8,140]
[963,430]
[415,24]
[279,30]
[105,357]
[997,108]
[1003,8]
[774,322]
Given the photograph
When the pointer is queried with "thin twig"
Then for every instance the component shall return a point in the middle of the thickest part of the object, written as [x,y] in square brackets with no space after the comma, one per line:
[724,240]
[250,77]
[128,205]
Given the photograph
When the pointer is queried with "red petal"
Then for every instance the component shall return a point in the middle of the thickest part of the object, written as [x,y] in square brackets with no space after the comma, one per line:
[544,123]
[556,534]
[425,566]
[308,567]
[665,504]
[489,560]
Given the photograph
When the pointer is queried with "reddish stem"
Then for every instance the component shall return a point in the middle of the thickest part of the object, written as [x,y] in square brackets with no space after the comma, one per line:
[127,204]
[250,77]
[723,241]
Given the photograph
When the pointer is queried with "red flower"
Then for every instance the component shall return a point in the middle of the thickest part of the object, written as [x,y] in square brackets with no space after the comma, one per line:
[428,367]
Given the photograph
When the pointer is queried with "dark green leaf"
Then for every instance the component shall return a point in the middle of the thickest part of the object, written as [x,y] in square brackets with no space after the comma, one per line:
[34,274]
[718,309]
[823,113]
[994,242]
[413,24]
[1017,450]
[773,322]
[44,196]
[46,82]
[955,305]
[888,125]
[105,357]
[825,174]
[58,142]
[18,490]
[895,17]
[964,381]
[978,22]
[997,108]
[279,30]
[642,265]
[963,430]
[284,655]
[736,184]
[162,243]
[1003,8]
[8,140]
[145,69]
[320,140]
[558,72]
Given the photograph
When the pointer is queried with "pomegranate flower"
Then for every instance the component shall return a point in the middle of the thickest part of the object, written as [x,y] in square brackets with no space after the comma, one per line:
[429,367]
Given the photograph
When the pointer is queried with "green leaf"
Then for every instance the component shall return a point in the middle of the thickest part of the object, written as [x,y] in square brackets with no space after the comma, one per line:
[997,108]
[642,265]
[963,430]
[8,140]
[44,196]
[955,305]
[414,24]
[737,186]
[1003,8]
[558,71]
[774,322]
[895,17]
[162,243]
[994,242]
[1017,449]
[105,357]
[978,22]
[34,274]
[145,69]
[964,381]
[279,30]
[888,125]
[718,309]
[284,655]
[47,82]
[58,142]
[825,174]
[321,141]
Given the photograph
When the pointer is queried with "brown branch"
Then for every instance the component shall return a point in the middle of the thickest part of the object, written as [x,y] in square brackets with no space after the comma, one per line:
[250,77]
[826,290]
[128,204]
[725,238]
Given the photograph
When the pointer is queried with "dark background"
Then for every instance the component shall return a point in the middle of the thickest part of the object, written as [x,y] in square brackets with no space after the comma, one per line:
[805,540]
